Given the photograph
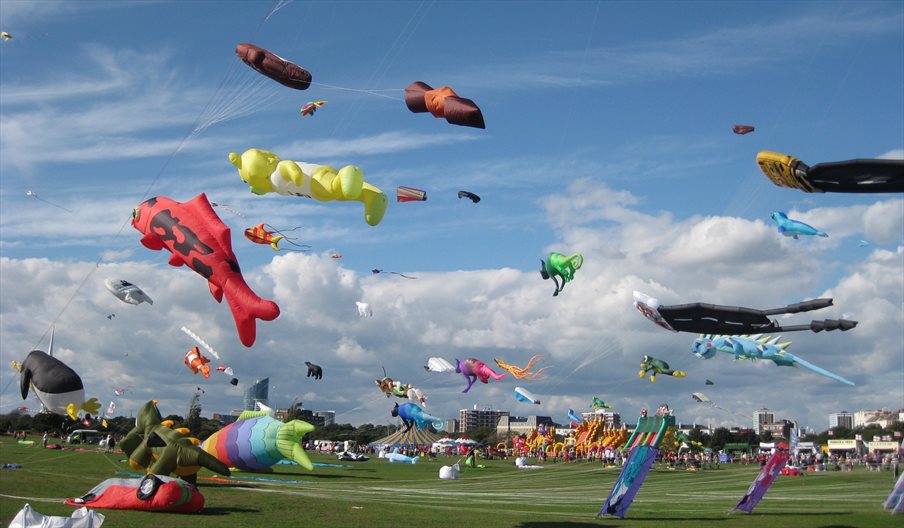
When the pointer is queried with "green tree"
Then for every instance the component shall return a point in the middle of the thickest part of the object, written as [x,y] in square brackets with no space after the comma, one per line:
[721,436]
[697,435]
[484,435]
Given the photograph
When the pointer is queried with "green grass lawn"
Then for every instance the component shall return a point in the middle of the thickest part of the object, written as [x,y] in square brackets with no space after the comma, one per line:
[375,494]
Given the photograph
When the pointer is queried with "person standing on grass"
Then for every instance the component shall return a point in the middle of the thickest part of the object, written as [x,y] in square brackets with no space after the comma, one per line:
[44,439]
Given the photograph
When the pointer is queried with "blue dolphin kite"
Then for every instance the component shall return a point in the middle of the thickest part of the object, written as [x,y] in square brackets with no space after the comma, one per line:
[792,228]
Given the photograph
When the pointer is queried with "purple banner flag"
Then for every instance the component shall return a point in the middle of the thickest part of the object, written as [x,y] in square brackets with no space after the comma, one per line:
[763,481]
[895,501]
[629,481]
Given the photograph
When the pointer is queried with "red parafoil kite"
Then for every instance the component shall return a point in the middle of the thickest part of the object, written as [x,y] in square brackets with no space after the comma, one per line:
[742,129]
[443,102]
[197,237]
[275,67]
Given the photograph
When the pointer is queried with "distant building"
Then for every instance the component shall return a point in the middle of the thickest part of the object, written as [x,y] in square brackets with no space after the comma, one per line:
[258,392]
[312,418]
[762,417]
[469,419]
[778,428]
[329,417]
[606,417]
[883,418]
[842,419]
[225,419]
[513,425]
[450,425]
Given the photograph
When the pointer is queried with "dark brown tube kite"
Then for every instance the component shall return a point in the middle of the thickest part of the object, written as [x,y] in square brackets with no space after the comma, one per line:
[274,66]
[443,102]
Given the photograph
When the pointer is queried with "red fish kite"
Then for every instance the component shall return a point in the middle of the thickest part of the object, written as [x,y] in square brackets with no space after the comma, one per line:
[197,238]
[742,129]
[275,67]
[443,102]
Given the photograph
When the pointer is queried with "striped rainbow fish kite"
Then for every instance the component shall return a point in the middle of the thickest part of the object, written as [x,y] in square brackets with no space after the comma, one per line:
[257,441]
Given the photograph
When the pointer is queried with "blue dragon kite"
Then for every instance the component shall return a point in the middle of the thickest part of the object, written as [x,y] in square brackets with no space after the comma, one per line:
[756,347]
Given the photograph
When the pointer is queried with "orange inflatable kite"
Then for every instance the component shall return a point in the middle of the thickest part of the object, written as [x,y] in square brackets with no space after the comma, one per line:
[443,102]
[196,362]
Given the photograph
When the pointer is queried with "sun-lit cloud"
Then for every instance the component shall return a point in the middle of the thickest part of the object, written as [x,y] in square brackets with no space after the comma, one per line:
[591,337]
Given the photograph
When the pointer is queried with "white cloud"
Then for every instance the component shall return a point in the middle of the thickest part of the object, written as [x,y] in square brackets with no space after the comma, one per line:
[382,143]
[894,154]
[590,336]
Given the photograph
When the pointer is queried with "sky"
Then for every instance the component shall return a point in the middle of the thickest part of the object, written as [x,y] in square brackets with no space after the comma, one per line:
[608,133]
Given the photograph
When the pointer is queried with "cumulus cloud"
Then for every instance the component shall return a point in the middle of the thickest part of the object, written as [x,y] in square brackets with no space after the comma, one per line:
[590,336]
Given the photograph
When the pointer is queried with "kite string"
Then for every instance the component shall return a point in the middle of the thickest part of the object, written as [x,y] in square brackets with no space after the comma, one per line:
[361,90]
[388,58]
[193,130]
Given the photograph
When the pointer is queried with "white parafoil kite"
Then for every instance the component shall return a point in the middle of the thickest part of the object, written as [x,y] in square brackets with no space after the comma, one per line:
[127,292]
[522,394]
[438,364]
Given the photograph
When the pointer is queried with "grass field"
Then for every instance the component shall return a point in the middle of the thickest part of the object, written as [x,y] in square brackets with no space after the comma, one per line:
[375,494]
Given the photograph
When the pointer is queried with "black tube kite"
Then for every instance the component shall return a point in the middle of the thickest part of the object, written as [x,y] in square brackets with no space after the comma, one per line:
[467,194]
[275,67]
[852,176]
[443,102]
[703,318]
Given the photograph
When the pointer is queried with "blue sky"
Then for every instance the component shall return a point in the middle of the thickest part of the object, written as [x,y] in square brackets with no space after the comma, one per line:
[608,133]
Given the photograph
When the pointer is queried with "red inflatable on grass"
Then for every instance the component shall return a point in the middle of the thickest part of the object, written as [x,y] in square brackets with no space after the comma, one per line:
[151,493]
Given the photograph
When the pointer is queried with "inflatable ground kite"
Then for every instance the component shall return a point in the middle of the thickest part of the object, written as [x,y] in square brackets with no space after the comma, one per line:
[151,493]
[153,445]
[257,441]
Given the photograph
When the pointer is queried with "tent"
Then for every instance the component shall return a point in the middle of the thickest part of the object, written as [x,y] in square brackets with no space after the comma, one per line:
[414,437]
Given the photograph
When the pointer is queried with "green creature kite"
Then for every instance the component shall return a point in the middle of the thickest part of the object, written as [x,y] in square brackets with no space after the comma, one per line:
[153,445]
[558,265]
[658,366]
